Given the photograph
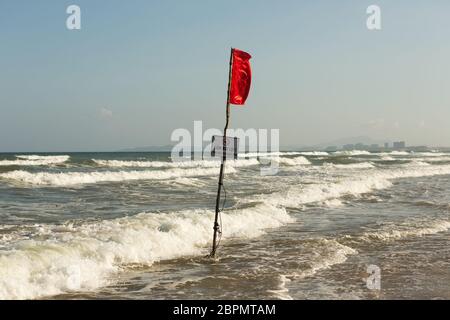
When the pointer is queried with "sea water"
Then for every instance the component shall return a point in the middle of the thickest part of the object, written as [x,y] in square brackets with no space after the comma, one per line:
[138,226]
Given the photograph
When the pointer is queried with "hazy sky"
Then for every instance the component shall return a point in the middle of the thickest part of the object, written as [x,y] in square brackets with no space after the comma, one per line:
[137,70]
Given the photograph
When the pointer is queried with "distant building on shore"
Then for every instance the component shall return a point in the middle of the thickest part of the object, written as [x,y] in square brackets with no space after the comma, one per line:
[348,147]
[399,145]
[386,145]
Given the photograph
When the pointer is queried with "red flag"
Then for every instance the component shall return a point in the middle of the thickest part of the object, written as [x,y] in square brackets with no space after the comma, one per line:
[241,77]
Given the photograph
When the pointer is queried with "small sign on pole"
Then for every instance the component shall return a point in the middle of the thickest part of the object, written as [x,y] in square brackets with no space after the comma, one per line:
[230,146]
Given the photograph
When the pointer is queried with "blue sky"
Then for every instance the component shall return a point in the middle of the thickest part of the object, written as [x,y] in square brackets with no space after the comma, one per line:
[137,70]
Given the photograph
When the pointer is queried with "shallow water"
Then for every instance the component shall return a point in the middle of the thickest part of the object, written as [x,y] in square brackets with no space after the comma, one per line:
[137,226]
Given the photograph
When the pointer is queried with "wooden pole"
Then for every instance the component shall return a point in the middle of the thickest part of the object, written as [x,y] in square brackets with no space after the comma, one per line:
[222,165]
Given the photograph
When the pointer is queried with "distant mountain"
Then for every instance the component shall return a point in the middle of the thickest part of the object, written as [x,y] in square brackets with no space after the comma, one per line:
[338,143]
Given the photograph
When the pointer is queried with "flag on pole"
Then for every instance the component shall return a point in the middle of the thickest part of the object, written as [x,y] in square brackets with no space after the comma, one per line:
[239,80]
[241,77]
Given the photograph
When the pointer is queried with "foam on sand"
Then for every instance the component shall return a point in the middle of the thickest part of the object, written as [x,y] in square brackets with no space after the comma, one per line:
[83,257]
[75,178]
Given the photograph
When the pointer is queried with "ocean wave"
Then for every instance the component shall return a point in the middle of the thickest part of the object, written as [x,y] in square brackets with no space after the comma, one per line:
[406,230]
[431,154]
[36,157]
[282,292]
[363,183]
[393,153]
[323,254]
[314,153]
[292,161]
[33,160]
[352,153]
[361,165]
[82,257]
[75,178]
[175,164]
[399,153]
[418,162]
[438,159]
[268,154]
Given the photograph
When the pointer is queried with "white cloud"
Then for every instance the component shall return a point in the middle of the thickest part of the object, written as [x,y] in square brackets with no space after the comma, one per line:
[106,113]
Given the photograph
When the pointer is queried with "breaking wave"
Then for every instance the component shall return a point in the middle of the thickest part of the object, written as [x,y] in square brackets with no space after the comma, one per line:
[314,153]
[76,178]
[352,153]
[396,232]
[431,154]
[36,157]
[268,154]
[292,161]
[323,254]
[81,257]
[399,153]
[34,160]
[361,165]
[175,164]
[364,183]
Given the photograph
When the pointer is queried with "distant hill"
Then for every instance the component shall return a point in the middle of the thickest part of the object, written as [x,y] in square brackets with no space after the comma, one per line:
[338,143]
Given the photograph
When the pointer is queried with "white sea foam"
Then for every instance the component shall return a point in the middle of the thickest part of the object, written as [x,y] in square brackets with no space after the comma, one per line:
[324,254]
[438,159]
[36,157]
[314,153]
[407,230]
[399,153]
[358,184]
[33,160]
[282,292]
[268,154]
[175,164]
[431,154]
[361,165]
[418,162]
[75,178]
[82,257]
[292,161]
[352,153]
